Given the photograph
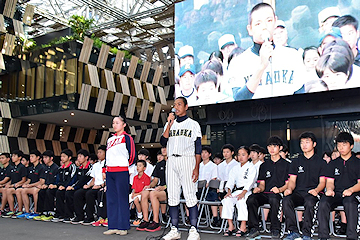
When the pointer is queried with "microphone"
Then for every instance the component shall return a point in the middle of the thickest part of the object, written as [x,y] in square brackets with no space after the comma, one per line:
[266,37]
[173,111]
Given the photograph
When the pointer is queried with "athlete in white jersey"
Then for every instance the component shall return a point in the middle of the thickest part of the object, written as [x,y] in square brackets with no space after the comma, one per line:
[182,138]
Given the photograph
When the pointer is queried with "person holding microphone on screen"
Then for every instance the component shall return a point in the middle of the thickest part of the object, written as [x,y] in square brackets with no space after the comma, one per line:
[182,138]
[265,70]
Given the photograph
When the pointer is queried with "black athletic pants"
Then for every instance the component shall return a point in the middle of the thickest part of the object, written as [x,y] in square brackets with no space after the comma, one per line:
[101,199]
[69,206]
[258,199]
[299,199]
[41,200]
[60,203]
[49,204]
[327,204]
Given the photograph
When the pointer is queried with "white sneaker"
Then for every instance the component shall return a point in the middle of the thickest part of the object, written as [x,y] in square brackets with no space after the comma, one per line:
[193,234]
[173,234]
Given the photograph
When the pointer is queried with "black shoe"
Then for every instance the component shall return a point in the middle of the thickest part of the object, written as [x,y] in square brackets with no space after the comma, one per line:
[76,221]
[253,234]
[67,220]
[275,234]
[153,227]
[87,222]
[164,218]
[57,218]
[143,225]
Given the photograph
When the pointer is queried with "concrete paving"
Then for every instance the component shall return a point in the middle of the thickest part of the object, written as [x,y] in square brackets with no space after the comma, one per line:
[21,229]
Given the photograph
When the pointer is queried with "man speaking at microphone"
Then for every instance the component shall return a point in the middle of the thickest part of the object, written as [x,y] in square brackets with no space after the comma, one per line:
[265,70]
[182,138]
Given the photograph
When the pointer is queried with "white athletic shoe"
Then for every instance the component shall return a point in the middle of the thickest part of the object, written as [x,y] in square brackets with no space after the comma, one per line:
[193,234]
[172,235]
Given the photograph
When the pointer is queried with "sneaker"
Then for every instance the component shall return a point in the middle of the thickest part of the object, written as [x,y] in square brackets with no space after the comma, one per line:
[8,214]
[137,221]
[143,225]
[18,213]
[87,222]
[193,234]
[111,231]
[293,236]
[67,220]
[105,223]
[153,227]
[307,238]
[32,215]
[47,218]
[275,234]
[254,233]
[24,215]
[57,219]
[98,223]
[122,232]
[1,212]
[76,221]
[173,234]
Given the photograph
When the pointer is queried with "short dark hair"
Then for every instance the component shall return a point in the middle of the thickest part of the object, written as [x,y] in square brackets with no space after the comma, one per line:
[245,148]
[93,156]
[48,153]
[7,155]
[310,135]
[218,155]
[215,65]
[142,161]
[228,146]
[258,7]
[102,147]
[83,152]
[204,76]
[19,153]
[207,148]
[275,140]
[327,154]
[159,153]
[183,99]
[311,48]
[255,147]
[67,152]
[144,151]
[285,149]
[344,137]
[346,20]
[263,150]
[35,152]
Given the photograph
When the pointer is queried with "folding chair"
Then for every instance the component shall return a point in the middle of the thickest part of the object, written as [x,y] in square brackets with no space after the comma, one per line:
[205,205]
[201,189]
[331,225]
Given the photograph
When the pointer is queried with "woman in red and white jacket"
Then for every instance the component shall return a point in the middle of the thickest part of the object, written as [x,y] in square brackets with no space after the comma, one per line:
[120,154]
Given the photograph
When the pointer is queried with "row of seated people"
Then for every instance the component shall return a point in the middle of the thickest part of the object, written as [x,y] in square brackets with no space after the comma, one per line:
[246,183]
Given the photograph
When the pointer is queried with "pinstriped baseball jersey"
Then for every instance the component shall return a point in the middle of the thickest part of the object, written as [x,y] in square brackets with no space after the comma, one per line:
[182,137]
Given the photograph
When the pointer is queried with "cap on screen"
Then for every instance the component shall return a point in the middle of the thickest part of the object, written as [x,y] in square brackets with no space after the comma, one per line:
[280,23]
[327,13]
[187,68]
[227,39]
[186,51]
[334,31]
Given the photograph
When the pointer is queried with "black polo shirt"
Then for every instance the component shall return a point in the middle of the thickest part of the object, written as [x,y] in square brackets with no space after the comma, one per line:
[345,173]
[308,172]
[275,174]
[35,173]
[5,172]
[17,173]
[159,172]
[50,174]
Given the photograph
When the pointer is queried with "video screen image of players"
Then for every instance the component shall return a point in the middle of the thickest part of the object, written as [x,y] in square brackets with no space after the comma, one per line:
[237,50]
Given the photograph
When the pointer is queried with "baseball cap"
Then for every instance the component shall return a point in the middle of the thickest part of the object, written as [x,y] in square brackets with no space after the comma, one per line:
[144,152]
[327,13]
[226,39]
[186,51]
[187,68]
[280,23]
[334,31]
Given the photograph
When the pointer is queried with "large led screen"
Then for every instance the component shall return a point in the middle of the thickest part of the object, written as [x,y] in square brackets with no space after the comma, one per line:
[237,49]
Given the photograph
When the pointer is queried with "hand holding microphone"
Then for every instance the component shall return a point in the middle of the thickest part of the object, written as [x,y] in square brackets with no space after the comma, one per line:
[266,49]
[171,117]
